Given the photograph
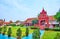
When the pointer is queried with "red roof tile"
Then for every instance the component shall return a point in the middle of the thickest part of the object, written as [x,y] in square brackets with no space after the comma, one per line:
[6,22]
[51,18]
[29,20]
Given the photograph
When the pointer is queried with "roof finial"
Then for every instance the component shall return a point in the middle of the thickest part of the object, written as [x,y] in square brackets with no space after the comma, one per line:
[43,9]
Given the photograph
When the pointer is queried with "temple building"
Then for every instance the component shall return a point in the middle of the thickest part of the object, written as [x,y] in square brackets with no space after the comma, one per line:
[44,21]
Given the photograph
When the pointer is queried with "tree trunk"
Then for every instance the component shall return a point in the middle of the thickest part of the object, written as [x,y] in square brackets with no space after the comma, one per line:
[18,37]
[9,35]
[3,33]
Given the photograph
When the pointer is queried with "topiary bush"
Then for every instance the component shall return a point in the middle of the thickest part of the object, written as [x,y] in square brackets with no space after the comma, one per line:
[12,24]
[53,29]
[27,31]
[4,30]
[0,30]
[9,32]
[36,34]
[19,33]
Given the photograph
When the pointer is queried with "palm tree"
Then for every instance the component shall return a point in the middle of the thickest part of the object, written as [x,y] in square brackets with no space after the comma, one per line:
[9,32]
[19,32]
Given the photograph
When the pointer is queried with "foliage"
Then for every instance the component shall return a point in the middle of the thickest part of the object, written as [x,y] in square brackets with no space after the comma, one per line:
[0,30]
[33,27]
[53,29]
[19,32]
[57,16]
[21,25]
[17,21]
[15,28]
[4,29]
[27,31]
[34,21]
[11,21]
[57,36]
[9,32]
[36,34]
[12,24]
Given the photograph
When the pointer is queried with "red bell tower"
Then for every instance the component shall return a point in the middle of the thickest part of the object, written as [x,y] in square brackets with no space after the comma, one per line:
[43,19]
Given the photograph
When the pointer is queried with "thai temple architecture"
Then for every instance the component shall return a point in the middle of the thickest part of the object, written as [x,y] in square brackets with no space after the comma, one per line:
[44,21]
[2,22]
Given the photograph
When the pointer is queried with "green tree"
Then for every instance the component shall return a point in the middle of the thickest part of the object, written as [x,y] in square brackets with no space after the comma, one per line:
[17,21]
[36,34]
[19,32]
[9,32]
[0,30]
[27,31]
[34,21]
[4,30]
[57,17]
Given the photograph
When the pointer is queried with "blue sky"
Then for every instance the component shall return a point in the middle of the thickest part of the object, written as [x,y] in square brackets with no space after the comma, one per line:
[23,9]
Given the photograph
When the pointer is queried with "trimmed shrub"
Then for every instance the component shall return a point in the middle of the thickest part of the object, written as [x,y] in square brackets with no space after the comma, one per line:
[12,24]
[27,31]
[54,29]
[33,27]
[36,34]
[19,32]
[21,25]
[4,30]
[9,32]
[0,30]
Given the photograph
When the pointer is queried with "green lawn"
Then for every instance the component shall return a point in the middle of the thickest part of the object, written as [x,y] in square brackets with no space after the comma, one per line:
[50,34]
[14,29]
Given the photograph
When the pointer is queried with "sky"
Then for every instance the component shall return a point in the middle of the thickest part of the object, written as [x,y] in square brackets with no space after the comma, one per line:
[23,9]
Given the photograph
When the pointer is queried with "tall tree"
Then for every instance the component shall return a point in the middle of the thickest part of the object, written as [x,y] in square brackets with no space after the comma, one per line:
[4,30]
[19,32]
[36,34]
[57,16]
[27,31]
[9,32]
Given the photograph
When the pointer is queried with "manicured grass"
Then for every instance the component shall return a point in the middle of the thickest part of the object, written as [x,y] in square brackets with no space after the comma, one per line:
[14,30]
[50,34]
